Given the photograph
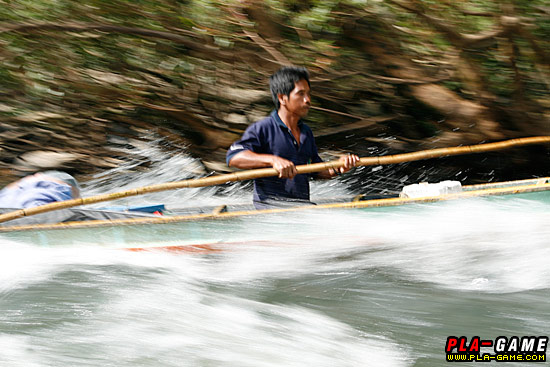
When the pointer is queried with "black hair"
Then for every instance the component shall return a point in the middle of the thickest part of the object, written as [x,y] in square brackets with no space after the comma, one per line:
[284,80]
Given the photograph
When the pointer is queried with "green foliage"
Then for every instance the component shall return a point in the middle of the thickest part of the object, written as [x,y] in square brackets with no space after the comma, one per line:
[109,72]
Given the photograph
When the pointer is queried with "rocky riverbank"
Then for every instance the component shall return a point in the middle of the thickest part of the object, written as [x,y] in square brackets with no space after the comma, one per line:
[95,146]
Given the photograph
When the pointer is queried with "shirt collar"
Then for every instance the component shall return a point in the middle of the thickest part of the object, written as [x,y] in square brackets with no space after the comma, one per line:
[280,122]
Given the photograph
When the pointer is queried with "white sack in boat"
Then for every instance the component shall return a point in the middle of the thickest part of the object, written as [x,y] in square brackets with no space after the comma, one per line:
[424,189]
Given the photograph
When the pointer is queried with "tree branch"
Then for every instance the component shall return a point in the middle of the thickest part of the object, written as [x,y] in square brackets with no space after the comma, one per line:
[85,27]
[459,39]
[543,56]
[279,57]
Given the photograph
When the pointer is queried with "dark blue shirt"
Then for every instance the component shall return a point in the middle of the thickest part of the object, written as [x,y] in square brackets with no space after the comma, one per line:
[272,136]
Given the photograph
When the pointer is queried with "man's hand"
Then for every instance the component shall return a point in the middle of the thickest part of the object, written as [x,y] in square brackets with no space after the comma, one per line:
[249,160]
[349,161]
[286,168]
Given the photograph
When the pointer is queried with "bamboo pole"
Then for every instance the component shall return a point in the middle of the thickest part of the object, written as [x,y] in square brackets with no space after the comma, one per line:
[522,187]
[268,172]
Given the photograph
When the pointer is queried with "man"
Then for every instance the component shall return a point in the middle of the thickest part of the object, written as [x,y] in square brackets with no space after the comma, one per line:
[283,141]
[39,189]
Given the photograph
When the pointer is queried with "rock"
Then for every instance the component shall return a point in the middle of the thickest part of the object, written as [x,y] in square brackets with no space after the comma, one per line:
[217,166]
[39,160]
[236,118]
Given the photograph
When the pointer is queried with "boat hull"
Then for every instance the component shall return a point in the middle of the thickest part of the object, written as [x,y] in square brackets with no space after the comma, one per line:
[218,230]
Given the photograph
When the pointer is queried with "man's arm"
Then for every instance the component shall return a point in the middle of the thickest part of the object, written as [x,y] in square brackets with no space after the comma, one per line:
[249,160]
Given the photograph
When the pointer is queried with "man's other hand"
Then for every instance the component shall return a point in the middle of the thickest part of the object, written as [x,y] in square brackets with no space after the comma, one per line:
[349,162]
[286,168]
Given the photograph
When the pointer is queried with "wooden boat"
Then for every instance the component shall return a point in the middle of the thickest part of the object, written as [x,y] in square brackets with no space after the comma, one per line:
[209,230]
[220,228]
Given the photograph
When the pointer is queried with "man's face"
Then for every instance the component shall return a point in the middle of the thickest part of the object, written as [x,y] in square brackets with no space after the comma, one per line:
[299,100]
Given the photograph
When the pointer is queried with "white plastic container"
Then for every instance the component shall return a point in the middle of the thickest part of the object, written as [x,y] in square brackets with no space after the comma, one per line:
[430,189]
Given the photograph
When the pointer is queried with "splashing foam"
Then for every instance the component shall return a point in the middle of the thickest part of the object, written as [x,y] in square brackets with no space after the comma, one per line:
[493,246]
[168,167]
[167,305]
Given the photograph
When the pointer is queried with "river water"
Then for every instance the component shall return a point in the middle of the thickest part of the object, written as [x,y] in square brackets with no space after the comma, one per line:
[384,287]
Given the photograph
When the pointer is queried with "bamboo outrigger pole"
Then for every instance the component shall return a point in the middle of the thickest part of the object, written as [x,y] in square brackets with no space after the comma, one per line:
[268,172]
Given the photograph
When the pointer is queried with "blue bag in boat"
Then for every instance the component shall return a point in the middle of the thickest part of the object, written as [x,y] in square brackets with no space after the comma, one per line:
[33,191]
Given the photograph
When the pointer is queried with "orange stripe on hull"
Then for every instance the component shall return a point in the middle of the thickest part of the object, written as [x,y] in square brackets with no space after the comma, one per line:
[199,248]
